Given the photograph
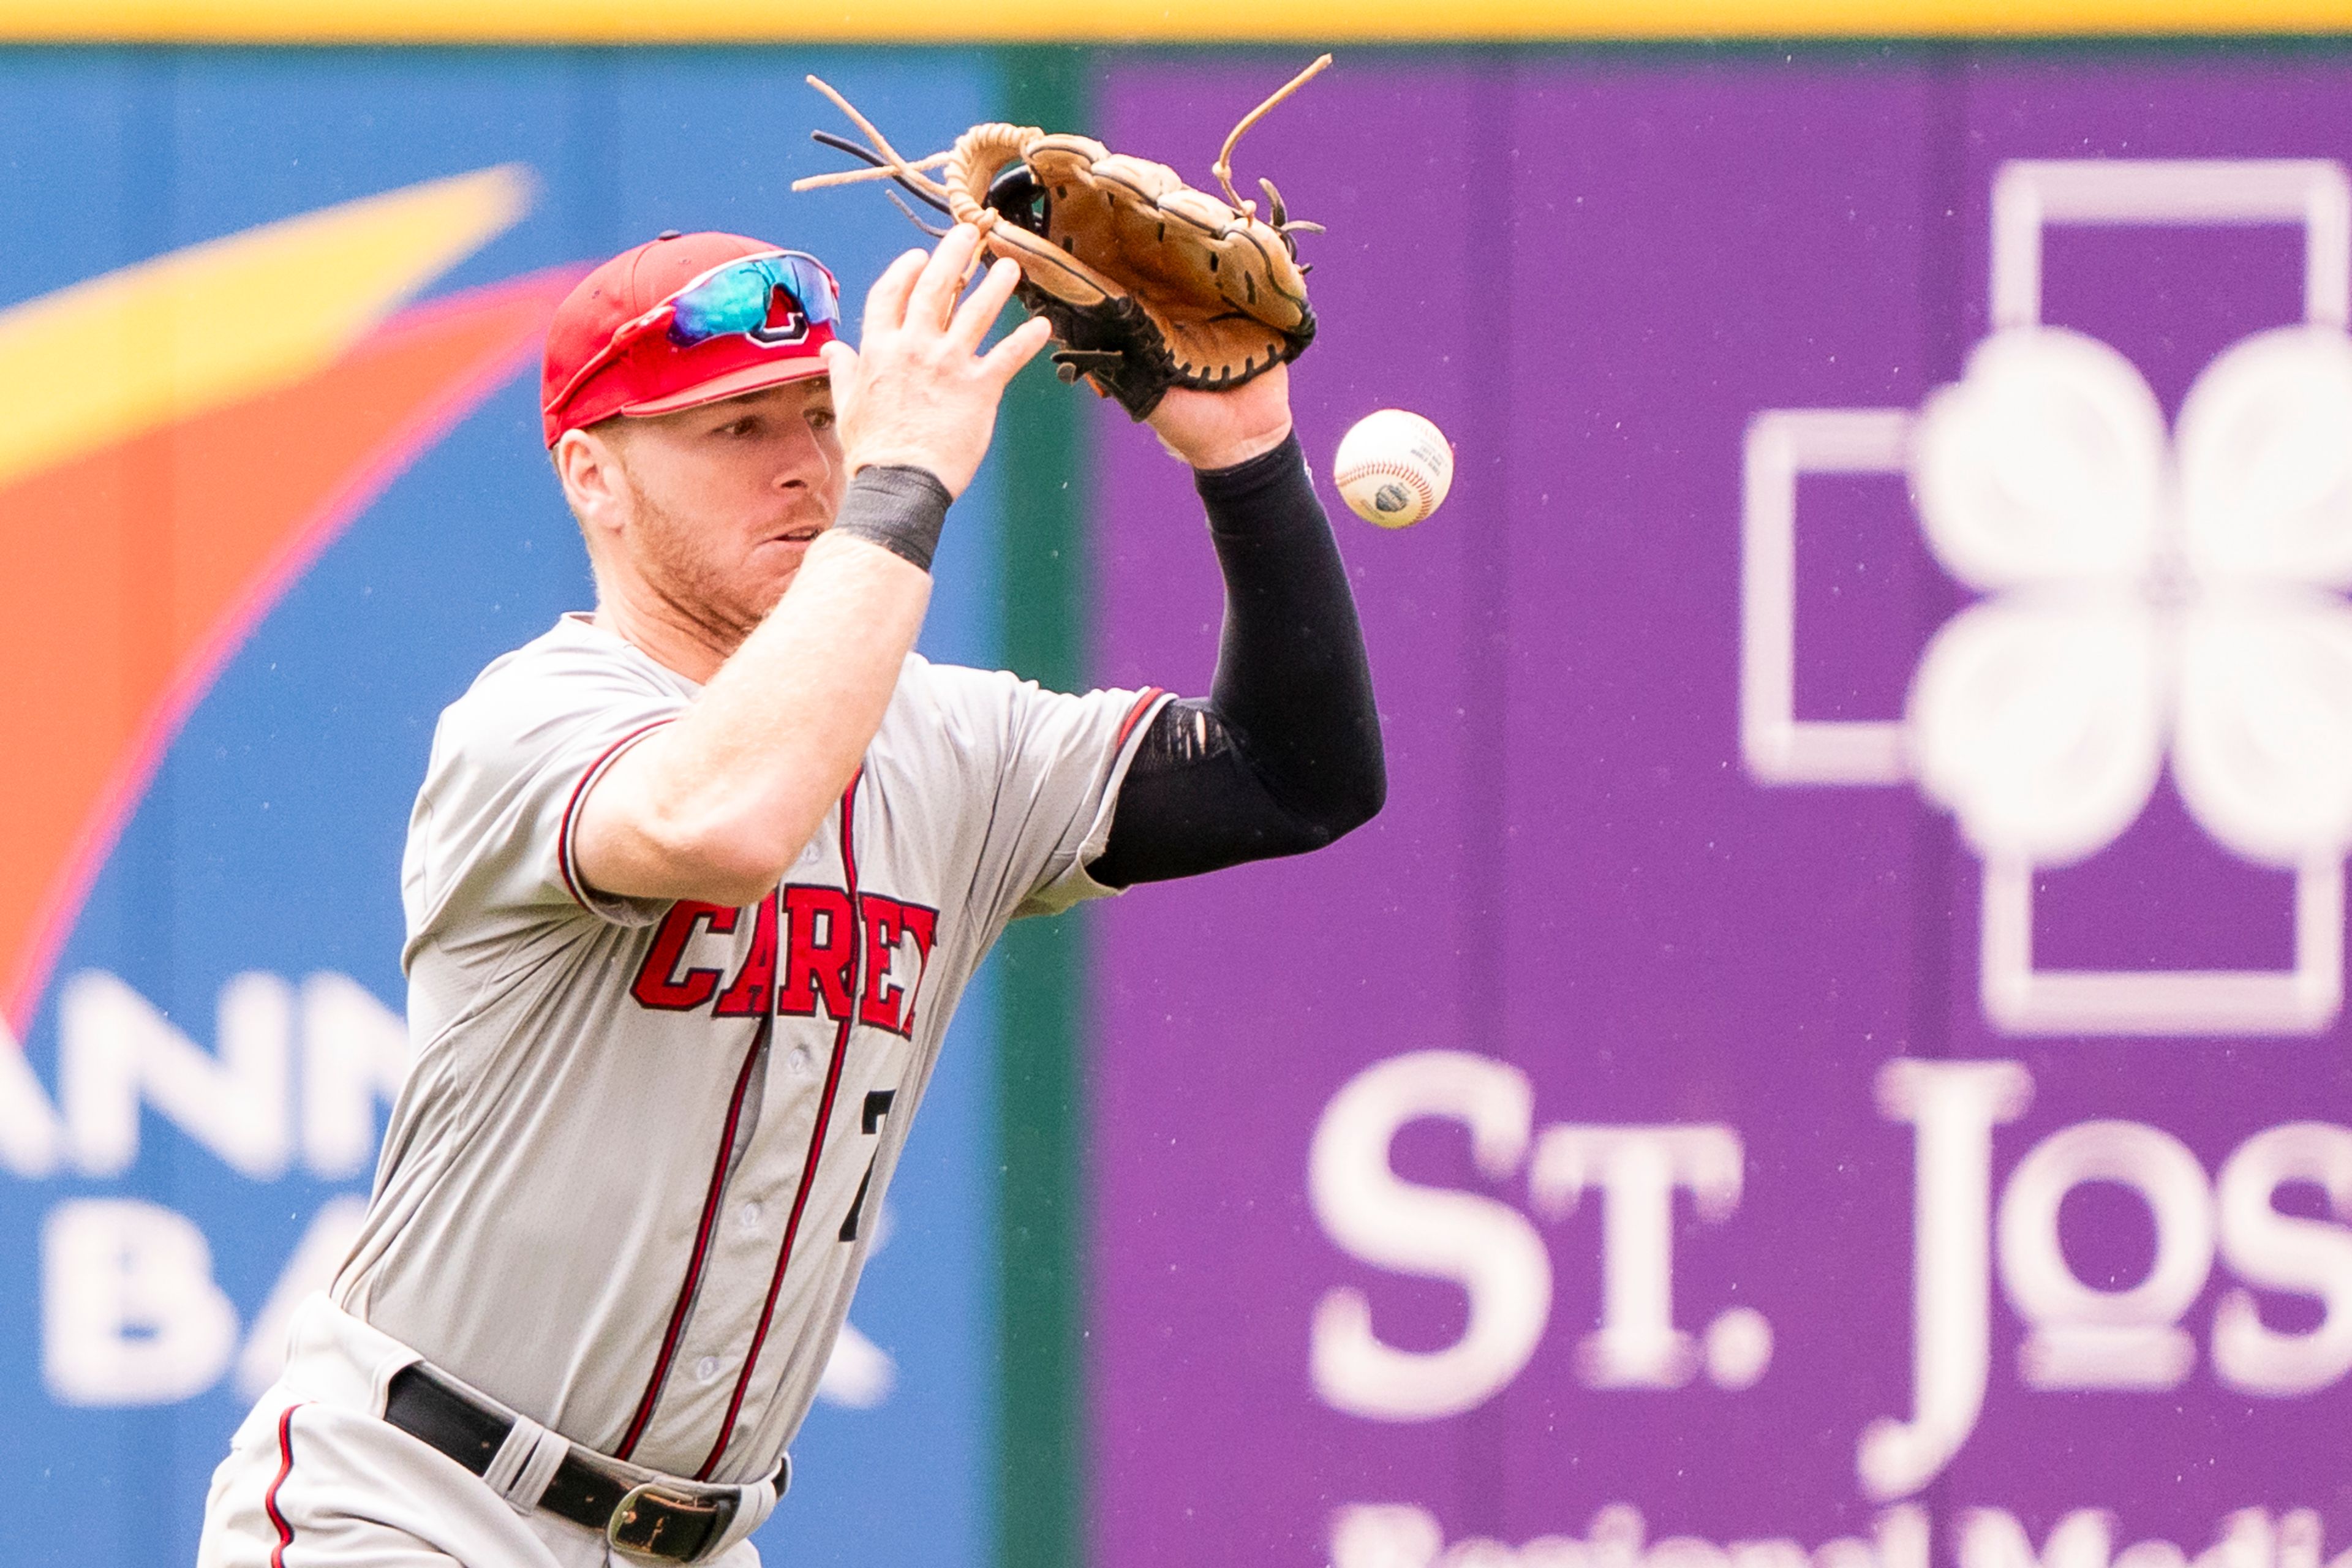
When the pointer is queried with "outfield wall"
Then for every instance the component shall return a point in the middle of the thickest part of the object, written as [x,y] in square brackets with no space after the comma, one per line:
[239,601]
[1556,1161]
[1662,1125]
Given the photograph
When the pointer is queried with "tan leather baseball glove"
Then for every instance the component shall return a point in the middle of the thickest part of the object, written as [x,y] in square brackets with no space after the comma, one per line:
[1149,282]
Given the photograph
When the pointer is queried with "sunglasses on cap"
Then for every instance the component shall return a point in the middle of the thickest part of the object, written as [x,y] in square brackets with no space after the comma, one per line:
[736,298]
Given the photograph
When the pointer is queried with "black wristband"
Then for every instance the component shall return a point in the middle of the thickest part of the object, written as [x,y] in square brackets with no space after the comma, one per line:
[900,509]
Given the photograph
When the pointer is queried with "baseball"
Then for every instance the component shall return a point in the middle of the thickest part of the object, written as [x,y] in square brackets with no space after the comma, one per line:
[1393,468]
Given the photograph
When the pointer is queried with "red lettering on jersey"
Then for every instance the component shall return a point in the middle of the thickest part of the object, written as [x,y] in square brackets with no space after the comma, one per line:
[922,924]
[880,1005]
[754,985]
[888,922]
[818,948]
[659,983]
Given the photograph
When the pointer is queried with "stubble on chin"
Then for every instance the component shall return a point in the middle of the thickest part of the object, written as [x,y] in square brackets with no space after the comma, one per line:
[695,588]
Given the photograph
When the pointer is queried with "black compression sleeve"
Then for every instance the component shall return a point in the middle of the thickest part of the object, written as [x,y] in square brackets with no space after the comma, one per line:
[1284,754]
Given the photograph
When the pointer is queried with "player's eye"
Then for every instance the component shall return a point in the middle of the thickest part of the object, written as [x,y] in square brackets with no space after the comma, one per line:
[820,418]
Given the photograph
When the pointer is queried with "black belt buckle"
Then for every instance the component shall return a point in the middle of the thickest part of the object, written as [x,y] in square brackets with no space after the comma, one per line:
[653,1520]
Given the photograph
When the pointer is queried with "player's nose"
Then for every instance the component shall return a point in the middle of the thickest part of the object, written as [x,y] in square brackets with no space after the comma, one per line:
[803,461]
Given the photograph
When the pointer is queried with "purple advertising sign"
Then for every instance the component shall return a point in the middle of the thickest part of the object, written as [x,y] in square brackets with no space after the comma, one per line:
[1834,1052]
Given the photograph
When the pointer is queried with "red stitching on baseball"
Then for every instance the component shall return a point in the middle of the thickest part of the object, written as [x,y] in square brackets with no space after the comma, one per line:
[1413,476]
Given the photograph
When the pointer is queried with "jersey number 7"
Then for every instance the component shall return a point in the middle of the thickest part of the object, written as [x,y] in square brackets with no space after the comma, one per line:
[877,1106]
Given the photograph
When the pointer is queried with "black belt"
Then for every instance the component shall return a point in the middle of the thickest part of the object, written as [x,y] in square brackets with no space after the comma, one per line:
[653,1520]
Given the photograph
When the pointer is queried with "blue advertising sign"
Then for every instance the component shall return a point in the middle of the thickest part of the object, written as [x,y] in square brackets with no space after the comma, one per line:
[272,492]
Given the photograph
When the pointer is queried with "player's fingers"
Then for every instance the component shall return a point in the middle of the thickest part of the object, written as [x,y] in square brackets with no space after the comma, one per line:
[841,367]
[934,293]
[885,302]
[980,311]
[1017,348]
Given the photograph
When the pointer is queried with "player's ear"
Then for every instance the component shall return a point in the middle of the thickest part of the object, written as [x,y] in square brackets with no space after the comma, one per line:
[588,465]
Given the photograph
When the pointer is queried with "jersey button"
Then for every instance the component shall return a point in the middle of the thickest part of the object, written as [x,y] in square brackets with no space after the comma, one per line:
[707,1368]
[749,1215]
[802,1063]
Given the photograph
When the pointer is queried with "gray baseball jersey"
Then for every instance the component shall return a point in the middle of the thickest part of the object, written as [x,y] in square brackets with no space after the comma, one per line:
[629,1184]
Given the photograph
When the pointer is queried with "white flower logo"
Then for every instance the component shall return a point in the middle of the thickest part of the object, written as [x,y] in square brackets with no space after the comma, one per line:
[2143,590]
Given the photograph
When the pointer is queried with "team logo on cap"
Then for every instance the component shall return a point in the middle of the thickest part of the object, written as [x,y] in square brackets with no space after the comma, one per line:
[786,323]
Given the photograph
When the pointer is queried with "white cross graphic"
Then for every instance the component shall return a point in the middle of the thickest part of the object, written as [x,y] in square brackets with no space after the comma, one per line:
[2151,592]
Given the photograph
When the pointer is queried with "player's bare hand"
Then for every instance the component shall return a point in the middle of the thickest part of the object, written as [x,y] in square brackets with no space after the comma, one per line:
[1218,429]
[917,392]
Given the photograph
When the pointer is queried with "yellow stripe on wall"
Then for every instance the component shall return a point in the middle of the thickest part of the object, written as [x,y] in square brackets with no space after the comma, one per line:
[1303,22]
[169,338]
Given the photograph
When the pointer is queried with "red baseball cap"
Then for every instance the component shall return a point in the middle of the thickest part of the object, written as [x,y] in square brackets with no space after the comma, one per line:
[603,358]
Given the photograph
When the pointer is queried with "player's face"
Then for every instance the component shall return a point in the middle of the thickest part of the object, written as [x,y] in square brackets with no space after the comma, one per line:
[726,499]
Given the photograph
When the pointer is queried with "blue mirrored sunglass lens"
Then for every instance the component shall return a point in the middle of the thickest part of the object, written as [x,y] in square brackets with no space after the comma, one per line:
[738,299]
[735,301]
[813,288]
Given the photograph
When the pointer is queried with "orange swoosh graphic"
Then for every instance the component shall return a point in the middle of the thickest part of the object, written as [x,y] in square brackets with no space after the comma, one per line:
[135,570]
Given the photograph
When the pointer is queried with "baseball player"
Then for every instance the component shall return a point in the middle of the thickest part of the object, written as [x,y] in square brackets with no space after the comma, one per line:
[693,885]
